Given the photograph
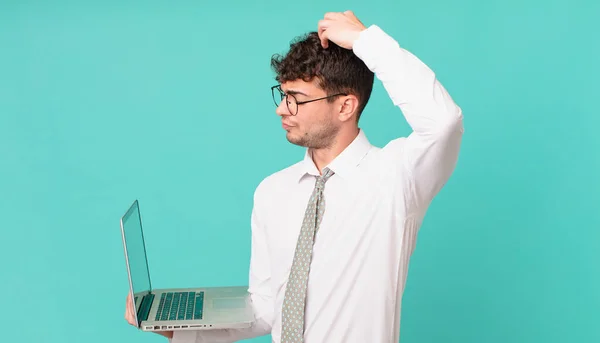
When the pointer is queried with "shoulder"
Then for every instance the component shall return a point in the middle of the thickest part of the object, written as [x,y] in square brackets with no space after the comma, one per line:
[277,183]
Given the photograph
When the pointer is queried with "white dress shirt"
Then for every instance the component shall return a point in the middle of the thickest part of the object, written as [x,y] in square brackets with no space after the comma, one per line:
[375,203]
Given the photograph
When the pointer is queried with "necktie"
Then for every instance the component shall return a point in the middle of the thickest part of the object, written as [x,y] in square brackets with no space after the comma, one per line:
[295,294]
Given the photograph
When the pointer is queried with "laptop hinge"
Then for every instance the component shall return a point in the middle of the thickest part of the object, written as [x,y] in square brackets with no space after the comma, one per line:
[145,307]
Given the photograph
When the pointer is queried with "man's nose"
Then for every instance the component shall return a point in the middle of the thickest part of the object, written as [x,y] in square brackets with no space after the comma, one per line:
[282,109]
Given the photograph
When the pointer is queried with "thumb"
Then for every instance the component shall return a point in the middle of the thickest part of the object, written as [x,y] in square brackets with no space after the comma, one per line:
[323,37]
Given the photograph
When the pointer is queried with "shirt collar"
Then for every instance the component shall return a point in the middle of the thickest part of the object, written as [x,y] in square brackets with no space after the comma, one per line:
[344,163]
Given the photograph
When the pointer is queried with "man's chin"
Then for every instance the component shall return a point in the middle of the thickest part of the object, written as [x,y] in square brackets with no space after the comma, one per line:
[294,140]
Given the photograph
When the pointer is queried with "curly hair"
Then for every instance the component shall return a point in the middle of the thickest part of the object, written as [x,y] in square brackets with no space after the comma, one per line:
[338,70]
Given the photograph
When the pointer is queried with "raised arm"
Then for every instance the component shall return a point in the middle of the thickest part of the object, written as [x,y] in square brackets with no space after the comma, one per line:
[427,158]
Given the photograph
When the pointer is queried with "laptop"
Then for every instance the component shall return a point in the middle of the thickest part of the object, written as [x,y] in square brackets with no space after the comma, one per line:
[177,308]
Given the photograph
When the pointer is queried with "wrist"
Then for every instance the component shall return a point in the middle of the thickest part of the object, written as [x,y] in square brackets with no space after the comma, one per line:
[168,334]
[357,35]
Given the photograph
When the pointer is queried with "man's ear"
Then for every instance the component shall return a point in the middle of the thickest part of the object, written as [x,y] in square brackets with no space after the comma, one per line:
[347,107]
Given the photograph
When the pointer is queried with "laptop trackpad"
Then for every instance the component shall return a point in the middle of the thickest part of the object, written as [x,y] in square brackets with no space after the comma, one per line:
[229,303]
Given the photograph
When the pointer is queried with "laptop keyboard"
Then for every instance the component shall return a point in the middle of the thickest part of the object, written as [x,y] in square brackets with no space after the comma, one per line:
[180,306]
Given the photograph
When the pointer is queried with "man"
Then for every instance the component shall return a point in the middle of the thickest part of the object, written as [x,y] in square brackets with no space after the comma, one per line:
[334,270]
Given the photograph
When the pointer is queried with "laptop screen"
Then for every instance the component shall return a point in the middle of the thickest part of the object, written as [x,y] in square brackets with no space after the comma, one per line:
[136,251]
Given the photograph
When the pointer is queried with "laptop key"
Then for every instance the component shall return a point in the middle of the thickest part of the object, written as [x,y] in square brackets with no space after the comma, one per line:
[189,313]
[199,305]
[167,308]
[160,307]
[182,306]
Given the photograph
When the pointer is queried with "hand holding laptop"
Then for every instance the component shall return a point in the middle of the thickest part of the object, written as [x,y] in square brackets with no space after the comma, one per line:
[129,309]
[167,310]
[130,317]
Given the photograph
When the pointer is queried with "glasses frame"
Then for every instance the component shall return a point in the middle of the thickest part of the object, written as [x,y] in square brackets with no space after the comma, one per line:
[283,95]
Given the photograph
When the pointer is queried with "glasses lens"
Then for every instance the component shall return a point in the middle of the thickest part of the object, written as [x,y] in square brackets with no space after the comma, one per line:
[277,95]
[292,104]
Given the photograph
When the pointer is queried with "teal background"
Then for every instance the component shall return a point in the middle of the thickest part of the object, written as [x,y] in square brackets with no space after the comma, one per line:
[169,102]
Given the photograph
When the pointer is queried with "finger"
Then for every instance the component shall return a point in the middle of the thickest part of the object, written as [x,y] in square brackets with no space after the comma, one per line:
[352,16]
[324,39]
[127,312]
[323,25]
[130,318]
[331,15]
[127,306]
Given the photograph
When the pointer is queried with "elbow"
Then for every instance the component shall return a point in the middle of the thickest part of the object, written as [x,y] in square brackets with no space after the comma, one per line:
[451,126]
[454,122]
[448,138]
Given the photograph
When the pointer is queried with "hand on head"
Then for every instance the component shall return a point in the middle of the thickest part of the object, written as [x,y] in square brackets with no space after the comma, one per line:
[342,29]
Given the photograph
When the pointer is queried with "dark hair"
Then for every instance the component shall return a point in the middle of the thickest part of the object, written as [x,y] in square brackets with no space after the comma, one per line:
[338,69]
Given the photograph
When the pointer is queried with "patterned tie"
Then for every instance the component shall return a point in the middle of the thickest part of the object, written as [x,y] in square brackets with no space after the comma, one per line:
[295,294]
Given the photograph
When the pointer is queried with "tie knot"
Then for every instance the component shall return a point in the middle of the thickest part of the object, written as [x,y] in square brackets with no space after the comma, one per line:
[327,173]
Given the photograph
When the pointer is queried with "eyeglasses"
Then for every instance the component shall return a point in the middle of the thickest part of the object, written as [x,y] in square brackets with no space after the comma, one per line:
[291,101]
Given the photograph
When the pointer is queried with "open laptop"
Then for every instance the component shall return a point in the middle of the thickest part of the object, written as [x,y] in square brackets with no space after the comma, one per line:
[177,308]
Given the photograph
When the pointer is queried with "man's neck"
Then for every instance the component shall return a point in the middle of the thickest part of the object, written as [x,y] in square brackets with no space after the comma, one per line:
[322,157]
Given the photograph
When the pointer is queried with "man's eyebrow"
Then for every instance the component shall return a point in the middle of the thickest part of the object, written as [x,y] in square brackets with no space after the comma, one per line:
[294,92]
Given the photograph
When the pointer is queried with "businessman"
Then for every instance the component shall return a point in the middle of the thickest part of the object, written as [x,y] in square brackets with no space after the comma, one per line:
[332,235]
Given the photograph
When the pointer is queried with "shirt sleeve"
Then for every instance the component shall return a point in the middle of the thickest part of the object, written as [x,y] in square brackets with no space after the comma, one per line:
[259,288]
[428,156]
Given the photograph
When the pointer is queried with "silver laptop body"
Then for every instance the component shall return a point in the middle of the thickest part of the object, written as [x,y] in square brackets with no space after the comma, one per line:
[177,308]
